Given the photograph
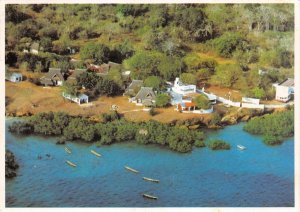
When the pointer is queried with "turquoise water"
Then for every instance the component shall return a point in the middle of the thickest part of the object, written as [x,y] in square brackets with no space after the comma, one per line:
[260,176]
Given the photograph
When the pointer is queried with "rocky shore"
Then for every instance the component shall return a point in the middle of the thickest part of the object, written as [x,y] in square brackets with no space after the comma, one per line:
[10,165]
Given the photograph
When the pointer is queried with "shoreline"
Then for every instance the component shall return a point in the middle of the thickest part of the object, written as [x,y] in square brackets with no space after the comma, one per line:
[227,119]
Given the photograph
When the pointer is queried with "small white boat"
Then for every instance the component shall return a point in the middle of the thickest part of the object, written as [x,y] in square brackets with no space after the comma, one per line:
[68,150]
[70,163]
[95,153]
[241,147]
[149,196]
[131,169]
[151,180]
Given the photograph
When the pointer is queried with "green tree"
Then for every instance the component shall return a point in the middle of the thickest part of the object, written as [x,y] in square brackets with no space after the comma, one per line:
[70,88]
[188,78]
[202,102]
[155,82]
[227,75]
[162,100]
[88,80]
[258,93]
[144,64]
[107,87]
[99,53]
[230,42]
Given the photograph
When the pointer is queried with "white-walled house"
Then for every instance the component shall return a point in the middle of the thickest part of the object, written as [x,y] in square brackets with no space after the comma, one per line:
[79,99]
[285,90]
[183,89]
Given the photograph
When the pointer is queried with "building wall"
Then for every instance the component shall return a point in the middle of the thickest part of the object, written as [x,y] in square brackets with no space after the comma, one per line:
[283,93]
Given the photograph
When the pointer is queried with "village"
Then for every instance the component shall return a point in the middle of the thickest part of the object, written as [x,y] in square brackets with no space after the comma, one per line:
[178,97]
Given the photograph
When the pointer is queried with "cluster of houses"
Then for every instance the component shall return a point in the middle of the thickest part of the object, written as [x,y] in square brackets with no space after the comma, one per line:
[182,95]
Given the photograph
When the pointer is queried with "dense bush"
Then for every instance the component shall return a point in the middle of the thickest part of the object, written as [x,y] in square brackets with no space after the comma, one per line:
[272,140]
[162,100]
[112,129]
[202,102]
[276,124]
[230,42]
[200,143]
[218,145]
[20,128]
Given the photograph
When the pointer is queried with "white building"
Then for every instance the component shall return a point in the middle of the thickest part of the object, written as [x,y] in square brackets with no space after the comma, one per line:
[183,89]
[79,99]
[285,90]
[14,77]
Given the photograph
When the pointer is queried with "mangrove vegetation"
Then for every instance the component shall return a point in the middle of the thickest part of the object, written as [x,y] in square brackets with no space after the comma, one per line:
[274,127]
[112,129]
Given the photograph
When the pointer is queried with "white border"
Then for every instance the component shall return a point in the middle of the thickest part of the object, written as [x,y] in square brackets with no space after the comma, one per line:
[297,99]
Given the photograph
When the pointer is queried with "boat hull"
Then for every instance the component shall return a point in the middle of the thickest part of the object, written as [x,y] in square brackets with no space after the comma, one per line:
[149,196]
[70,163]
[131,169]
[150,180]
[96,153]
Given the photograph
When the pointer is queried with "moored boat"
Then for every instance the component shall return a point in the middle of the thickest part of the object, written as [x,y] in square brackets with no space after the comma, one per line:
[70,163]
[96,153]
[131,169]
[149,196]
[68,150]
[151,180]
[241,147]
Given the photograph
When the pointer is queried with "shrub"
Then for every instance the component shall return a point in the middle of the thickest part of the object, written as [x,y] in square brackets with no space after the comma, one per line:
[202,102]
[152,111]
[199,143]
[162,100]
[20,128]
[218,145]
[108,117]
[276,124]
[272,140]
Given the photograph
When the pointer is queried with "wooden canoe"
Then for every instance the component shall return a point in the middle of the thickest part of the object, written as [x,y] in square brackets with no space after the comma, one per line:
[149,196]
[95,153]
[68,150]
[70,163]
[151,180]
[131,169]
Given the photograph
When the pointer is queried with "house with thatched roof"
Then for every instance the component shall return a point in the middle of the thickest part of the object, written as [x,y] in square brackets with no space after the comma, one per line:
[133,88]
[145,97]
[53,77]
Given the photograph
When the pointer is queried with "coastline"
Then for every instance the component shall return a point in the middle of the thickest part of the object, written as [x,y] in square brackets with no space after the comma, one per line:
[235,116]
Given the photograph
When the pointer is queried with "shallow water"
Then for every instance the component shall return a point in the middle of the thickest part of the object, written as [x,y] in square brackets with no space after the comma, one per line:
[260,176]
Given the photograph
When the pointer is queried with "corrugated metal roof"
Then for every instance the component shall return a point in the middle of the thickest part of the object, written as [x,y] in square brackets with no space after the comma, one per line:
[288,83]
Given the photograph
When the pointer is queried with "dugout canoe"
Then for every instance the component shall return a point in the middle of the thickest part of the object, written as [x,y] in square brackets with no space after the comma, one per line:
[131,169]
[96,153]
[70,163]
[150,179]
[150,196]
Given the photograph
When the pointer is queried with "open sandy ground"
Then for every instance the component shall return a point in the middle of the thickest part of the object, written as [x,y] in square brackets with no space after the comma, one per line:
[26,97]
